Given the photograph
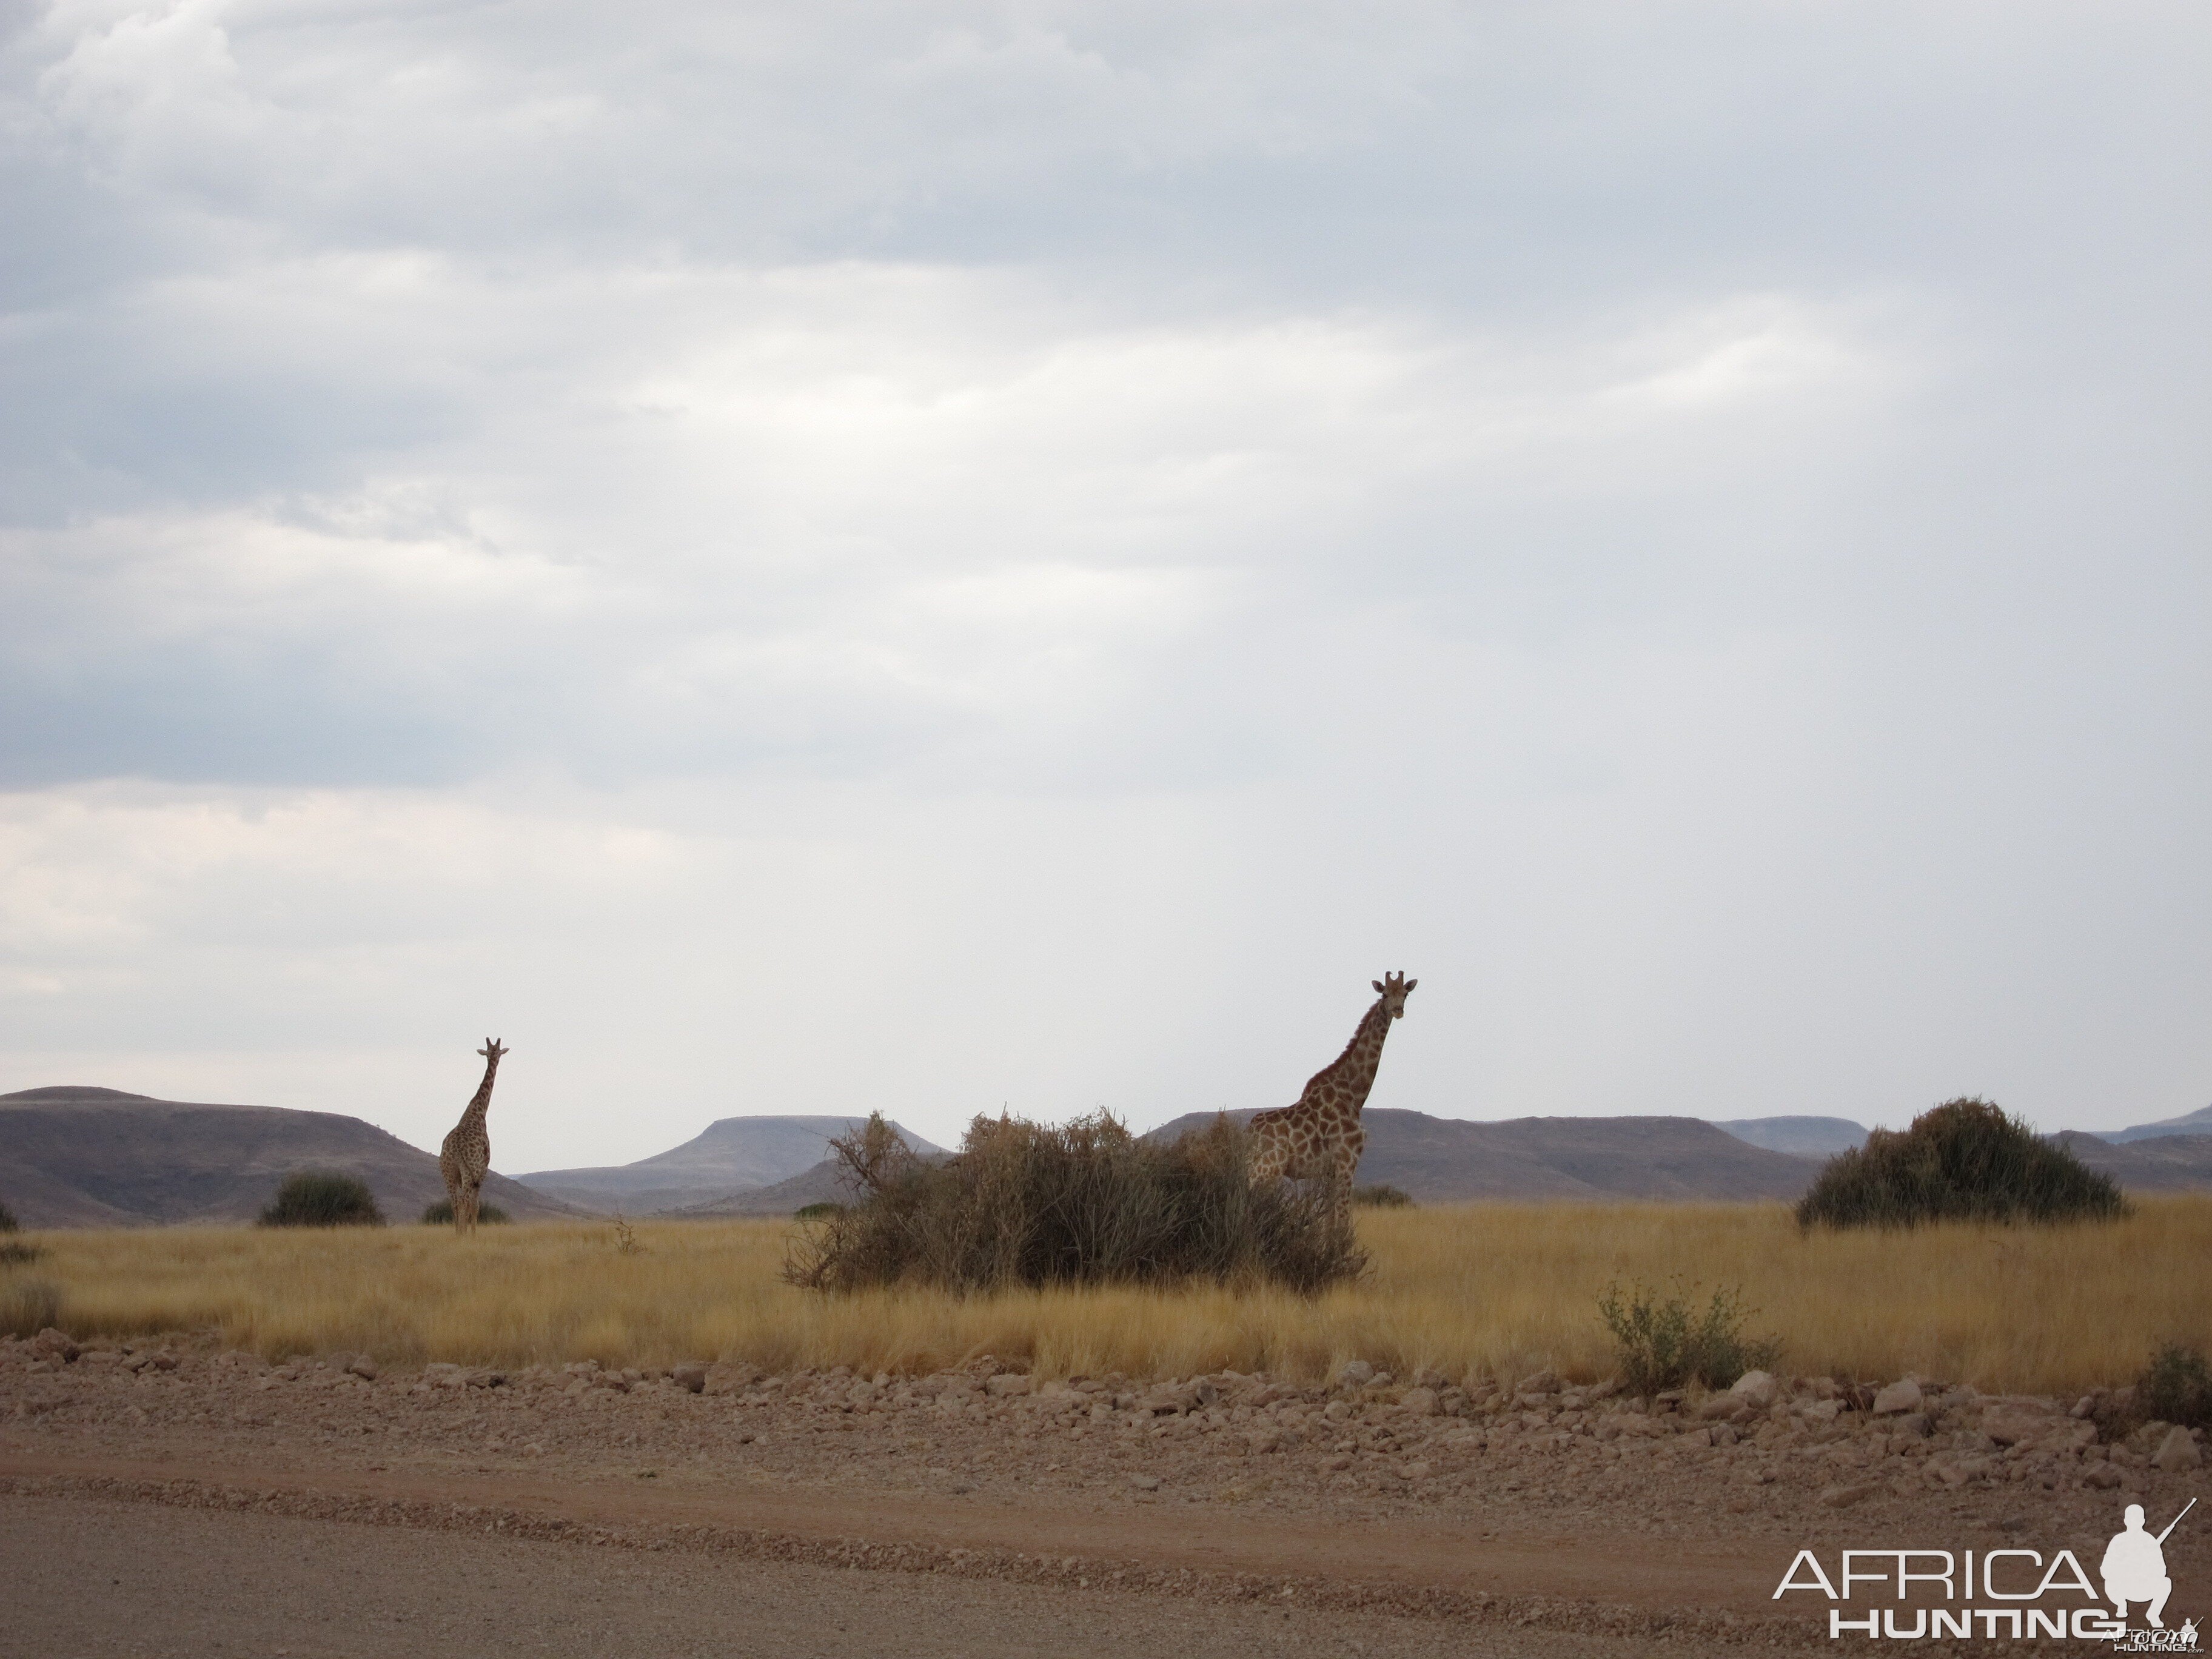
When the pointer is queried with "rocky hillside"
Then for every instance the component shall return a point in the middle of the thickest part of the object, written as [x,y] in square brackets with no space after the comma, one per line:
[732,1156]
[76,1157]
[2189,1123]
[2162,1164]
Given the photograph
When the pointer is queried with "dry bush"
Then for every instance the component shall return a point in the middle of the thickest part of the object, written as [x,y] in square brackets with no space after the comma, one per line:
[1662,1342]
[1081,1203]
[1966,1160]
[321,1198]
[7,1219]
[1383,1196]
[440,1214]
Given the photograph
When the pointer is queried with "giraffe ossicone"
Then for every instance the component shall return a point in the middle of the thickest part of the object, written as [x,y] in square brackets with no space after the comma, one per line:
[464,1158]
[1320,1139]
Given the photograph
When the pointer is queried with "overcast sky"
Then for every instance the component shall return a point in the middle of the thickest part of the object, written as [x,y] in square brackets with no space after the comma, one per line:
[812,558]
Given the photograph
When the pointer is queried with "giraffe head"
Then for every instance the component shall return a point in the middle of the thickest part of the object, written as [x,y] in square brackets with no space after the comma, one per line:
[1395,987]
[493,1048]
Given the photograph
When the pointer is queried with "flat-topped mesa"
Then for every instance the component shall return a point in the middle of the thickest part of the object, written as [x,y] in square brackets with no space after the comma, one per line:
[464,1158]
[1320,1139]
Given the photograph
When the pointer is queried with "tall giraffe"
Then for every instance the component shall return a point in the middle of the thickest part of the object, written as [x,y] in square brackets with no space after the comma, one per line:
[465,1159]
[1320,1138]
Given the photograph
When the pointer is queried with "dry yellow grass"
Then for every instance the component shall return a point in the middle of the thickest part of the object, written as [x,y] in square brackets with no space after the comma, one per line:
[1481,1290]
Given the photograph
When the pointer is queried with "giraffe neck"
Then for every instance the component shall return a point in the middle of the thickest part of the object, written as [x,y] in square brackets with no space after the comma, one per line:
[1355,1068]
[481,1103]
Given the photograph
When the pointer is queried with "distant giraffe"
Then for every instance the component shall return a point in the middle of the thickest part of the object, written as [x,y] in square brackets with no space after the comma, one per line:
[465,1159]
[1320,1138]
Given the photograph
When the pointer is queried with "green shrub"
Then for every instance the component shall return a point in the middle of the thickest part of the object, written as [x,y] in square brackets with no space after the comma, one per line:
[322,1198]
[440,1214]
[1966,1160]
[13,1254]
[810,1212]
[1082,1203]
[1666,1344]
[2176,1387]
[29,1306]
[1382,1197]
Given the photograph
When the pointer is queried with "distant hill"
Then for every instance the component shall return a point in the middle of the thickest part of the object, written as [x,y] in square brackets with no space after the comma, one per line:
[2190,1123]
[825,1182]
[730,1156]
[1446,1160]
[1801,1137]
[78,1157]
[2162,1164]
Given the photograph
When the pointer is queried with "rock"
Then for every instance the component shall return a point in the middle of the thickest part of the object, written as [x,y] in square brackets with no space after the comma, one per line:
[1720,1405]
[1544,1381]
[1757,1389]
[1205,1389]
[1918,1423]
[52,1344]
[1422,1403]
[690,1377]
[1696,1437]
[1354,1374]
[2177,1452]
[1007,1383]
[1335,1465]
[1842,1497]
[728,1376]
[1428,1376]
[2011,1428]
[1417,1471]
[1824,1411]
[361,1365]
[2103,1476]
[1145,1482]
[1260,1442]
[1902,1395]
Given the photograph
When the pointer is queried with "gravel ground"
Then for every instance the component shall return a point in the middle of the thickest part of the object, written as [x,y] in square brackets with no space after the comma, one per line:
[1534,1510]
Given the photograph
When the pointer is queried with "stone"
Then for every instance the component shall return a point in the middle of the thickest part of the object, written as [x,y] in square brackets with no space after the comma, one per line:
[1757,1389]
[1145,1482]
[2177,1452]
[2103,1476]
[2011,1428]
[1263,1441]
[1902,1395]
[1842,1497]
[1422,1403]
[1696,1437]
[1824,1411]
[1720,1405]
[1428,1376]
[1544,1381]
[690,1377]
[1007,1383]
[52,1344]
[728,1376]
[1417,1471]
[1354,1374]
[361,1365]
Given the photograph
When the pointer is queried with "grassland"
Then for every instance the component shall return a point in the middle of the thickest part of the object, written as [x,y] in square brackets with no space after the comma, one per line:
[1480,1290]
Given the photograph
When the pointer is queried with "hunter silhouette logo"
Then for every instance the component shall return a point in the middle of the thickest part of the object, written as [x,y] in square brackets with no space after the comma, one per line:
[2008,1594]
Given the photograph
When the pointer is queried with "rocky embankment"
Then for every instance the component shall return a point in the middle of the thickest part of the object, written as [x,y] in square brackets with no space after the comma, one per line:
[1365,1436]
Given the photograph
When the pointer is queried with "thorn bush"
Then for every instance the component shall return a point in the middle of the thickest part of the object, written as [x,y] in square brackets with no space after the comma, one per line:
[1666,1343]
[1086,1202]
[1966,1160]
[440,1214]
[321,1198]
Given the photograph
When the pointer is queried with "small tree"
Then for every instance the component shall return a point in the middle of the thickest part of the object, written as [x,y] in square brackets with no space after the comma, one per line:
[440,1214]
[322,1198]
[7,1219]
[1966,1160]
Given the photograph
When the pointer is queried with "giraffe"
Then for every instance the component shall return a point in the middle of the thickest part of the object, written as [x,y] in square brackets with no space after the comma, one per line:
[1320,1138]
[465,1159]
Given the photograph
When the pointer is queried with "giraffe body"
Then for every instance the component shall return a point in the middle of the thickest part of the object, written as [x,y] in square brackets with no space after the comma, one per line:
[464,1158]
[1321,1138]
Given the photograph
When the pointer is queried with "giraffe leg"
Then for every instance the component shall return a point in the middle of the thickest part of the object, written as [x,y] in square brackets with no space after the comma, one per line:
[465,1209]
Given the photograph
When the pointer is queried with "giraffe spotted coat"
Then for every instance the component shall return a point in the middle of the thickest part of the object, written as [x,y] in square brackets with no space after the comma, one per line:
[1320,1139]
[464,1159]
